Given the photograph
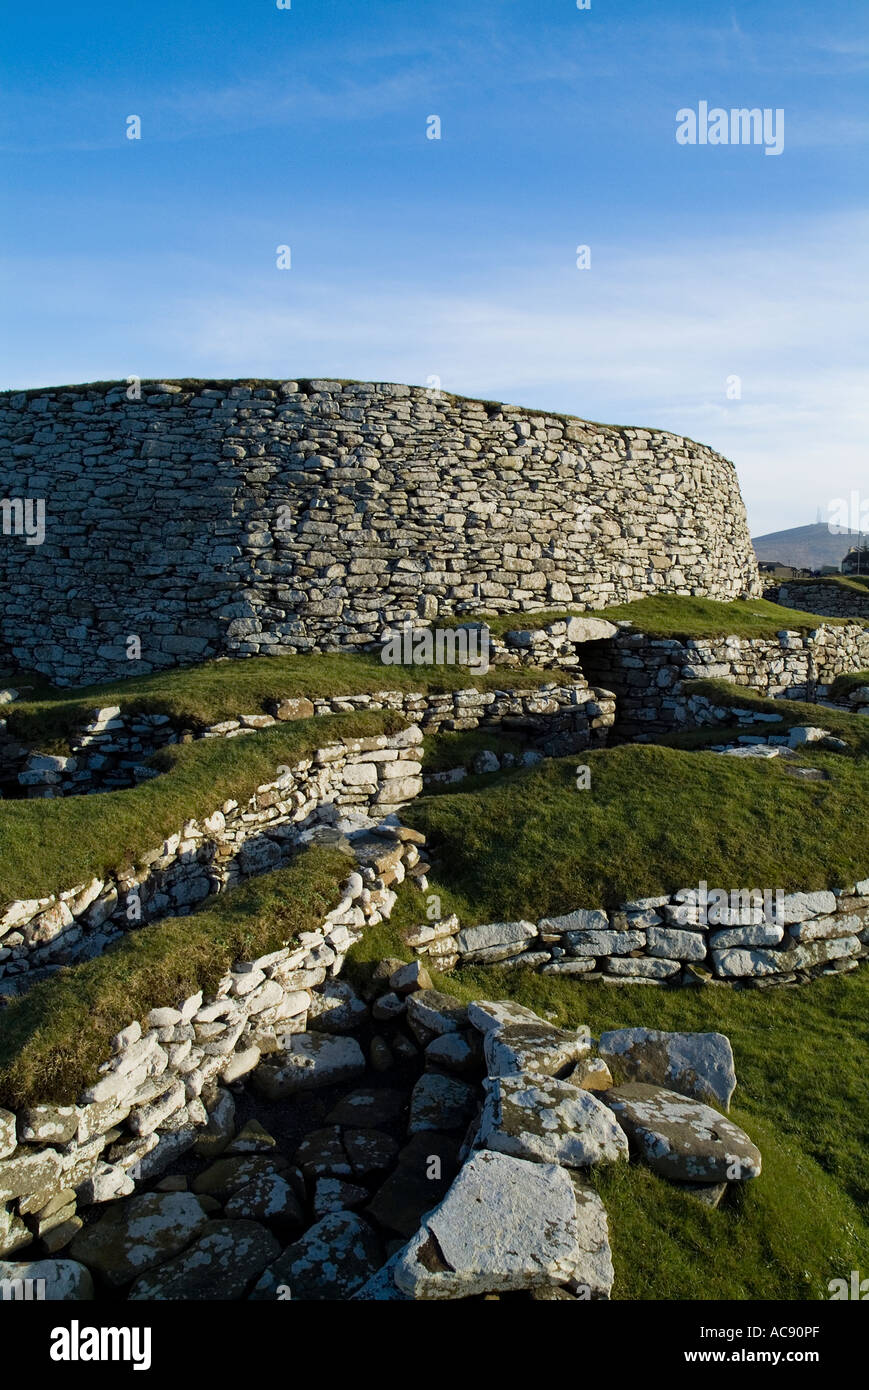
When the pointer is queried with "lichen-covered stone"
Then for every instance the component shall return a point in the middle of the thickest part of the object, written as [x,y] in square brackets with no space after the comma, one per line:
[139,1233]
[694,1064]
[549,1121]
[220,1263]
[682,1138]
[504,1224]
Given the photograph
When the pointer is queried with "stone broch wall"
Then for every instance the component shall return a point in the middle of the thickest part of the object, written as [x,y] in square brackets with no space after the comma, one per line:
[282,517]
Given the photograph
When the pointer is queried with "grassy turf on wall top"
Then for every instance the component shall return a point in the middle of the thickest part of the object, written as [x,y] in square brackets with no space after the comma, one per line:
[669,615]
[53,844]
[53,1038]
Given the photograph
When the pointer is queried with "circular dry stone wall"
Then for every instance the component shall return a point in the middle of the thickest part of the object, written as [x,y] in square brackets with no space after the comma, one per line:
[197,519]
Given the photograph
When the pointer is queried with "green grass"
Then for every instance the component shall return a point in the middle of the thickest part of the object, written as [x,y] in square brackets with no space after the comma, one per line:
[458,748]
[52,844]
[654,819]
[197,696]
[802,1056]
[842,723]
[668,615]
[855,582]
[53,1039]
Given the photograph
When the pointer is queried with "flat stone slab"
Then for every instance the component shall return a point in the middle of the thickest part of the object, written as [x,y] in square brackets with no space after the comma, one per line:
[581,919]
[549,1121]
[495,940]
[682,1138]
[536,1047]
[228,1175]
[694,1064]
[267,1197]
[487,1016]
[136,1235]
[589,629]
[736,963]
[220,1264]
[504,1224]
[332,1260]
[440,1102]
[308,1061]
[592,1276]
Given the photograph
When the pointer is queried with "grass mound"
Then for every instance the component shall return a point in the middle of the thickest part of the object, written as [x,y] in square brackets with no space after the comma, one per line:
[654,819]
[197,696]
[53,1039]
[52,844]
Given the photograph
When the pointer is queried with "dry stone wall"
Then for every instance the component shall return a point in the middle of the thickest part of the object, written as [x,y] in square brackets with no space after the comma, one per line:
[209,855]
[648,674]
[282,517]
[110,751]
[160,1089]
[152,1096]
[669,939]
[831,600]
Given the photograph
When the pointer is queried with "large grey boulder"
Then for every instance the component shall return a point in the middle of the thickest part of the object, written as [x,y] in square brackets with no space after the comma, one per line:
[682,1138]
[308,1061]
[504,1224]
[135,1235]
[694,1064]
[549,1121]
[220,1264]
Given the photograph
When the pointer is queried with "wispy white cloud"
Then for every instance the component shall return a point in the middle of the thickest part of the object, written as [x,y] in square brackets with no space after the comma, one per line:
[646,337]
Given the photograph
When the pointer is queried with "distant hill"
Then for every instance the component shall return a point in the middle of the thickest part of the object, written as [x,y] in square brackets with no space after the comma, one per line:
[806,547]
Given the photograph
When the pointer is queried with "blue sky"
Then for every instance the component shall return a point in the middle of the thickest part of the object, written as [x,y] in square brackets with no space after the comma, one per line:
[455,258]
